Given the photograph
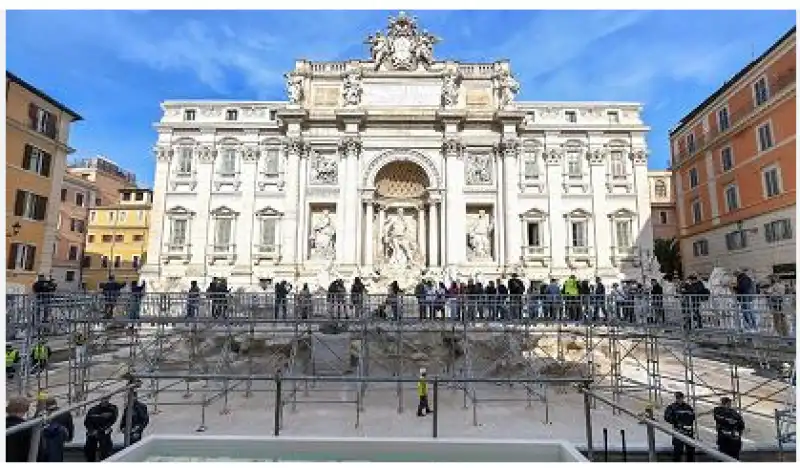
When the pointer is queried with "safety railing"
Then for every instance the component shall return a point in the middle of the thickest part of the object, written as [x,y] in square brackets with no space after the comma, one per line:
[751,314]
[37,424]
[651,424]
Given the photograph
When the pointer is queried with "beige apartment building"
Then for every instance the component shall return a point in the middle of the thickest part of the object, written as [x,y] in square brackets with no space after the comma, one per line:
[77,196]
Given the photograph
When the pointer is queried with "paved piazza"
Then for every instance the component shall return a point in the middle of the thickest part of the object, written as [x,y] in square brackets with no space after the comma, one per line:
[397,167]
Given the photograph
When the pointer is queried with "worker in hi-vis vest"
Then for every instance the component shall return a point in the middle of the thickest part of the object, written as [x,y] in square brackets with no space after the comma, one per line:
[422,392]
[12,358]
[39,356]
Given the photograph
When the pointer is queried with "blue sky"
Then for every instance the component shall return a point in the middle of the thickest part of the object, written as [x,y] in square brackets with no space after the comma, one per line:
[115,67]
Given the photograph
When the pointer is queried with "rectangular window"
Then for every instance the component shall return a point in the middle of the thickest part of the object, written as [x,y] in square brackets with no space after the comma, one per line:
[73,253]
[732,197]
[185,161]
[772,182]
[271,162]
[107,238]
[178,233]
[231,114]
[135,262]
[765,141]
[273,114]
[126,196]
[690,142]
[663,216]
[571,116]
[21,257]
[119,238]
[613,117]
[104,261]
[694,178]
[624,234]
[534,234]
[69,276]
[268,232]
[90,238]
[617,165]
[735,240]
[228,164]
[700,248]
[111,216]
[87,261]
[723,120]
[79,198]
[222,234]
[63,194]
[98,201]
[117,261]
[123,216]
[760,91]
[579,231]
[697,212]
[30,206]
[779,230]
[531,167]
[43,121]
[138,237]
[92,216]
[726,155]
[574,164]
[189,115]
[37,160]
[139,196]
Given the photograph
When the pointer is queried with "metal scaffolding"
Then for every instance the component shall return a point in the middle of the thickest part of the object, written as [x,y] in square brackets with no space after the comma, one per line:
[644,358]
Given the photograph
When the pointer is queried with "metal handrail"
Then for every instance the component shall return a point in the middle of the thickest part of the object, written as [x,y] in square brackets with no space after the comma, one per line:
[647,419]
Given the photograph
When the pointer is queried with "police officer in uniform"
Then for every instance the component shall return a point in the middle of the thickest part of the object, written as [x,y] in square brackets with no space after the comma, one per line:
[681,416]
[12,359]
[730,426]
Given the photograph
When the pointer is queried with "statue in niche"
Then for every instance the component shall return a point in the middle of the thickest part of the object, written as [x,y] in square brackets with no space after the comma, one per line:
[480,237]
[351,93]
[294,88]
[398,240]
[479,169]
[323,236]
[325,170]
[450,89]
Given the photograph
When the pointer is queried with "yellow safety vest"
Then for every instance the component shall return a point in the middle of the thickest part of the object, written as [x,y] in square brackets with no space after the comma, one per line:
[422,387]
[11,356]
[571,287]
[40,353]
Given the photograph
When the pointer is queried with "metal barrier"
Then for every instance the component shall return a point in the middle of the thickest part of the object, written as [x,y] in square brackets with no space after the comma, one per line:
[652,425]
[36,425]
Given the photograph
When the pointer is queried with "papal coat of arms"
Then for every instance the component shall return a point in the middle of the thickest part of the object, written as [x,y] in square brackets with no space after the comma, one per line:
[404,45]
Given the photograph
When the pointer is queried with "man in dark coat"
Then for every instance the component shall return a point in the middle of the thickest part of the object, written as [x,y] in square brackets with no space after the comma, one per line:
[55,435]
[681,416]
[139,420]
[99,424]
[516,288]
[18,444]
[730,426]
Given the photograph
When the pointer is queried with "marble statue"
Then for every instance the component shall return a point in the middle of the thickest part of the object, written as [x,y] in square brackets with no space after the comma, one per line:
[294,88]
[450,90]
[480,236]
[379,48]
[506,88]
[323,236]
[424,48]
[352,90]
[398,240]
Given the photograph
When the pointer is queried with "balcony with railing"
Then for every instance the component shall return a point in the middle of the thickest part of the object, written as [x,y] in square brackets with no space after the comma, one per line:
[620,254]
[266,253]
[536,254]
[176,251]
[740,115]
[579,253]
[224,252]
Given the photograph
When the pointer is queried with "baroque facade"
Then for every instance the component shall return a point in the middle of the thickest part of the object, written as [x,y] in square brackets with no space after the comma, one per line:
[398,167]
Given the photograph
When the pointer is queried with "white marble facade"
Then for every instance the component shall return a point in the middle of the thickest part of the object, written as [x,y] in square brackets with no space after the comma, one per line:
[401,165]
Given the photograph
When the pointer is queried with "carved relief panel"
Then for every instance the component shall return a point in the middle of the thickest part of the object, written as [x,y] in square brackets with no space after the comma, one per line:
[323,167]
[479,168]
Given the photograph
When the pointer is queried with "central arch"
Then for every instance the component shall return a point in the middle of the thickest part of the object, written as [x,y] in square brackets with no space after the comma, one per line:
[432,176]
[401,179]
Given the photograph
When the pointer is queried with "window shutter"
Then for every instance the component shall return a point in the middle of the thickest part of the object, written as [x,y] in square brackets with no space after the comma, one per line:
[33,111]
[41,208]
[52,126]
[47,158]
[26,158]
[30,257]
[12,256]
[19,203]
